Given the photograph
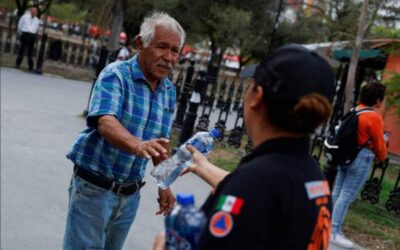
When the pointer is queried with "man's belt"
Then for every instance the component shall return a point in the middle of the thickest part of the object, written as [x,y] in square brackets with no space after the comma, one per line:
[116,187]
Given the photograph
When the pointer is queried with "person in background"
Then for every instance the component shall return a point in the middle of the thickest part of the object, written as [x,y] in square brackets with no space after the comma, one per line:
[277,197]
[28,27]
[129,122]
[351,178]
[125,52]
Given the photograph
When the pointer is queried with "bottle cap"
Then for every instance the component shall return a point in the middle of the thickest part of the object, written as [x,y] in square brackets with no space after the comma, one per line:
[185,199]
[215,133]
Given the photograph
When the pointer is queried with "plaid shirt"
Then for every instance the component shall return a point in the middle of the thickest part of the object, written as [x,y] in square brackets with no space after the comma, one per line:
[122,91]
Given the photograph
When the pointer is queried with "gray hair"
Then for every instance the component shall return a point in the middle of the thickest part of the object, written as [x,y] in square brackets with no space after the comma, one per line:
[147,29]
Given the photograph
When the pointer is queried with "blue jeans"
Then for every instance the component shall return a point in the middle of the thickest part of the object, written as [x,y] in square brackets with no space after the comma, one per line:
[349,181]
[97,218]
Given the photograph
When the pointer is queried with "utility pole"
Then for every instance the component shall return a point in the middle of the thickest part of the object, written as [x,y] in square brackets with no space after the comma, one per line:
[351,75]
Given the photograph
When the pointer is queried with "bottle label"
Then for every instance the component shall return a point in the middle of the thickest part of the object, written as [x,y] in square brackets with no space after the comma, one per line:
[199,145]
[170,241]
[176,242]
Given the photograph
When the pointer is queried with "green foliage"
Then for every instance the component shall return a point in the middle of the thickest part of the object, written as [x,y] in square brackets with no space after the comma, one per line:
[67,12]
[382,31]
[8,4]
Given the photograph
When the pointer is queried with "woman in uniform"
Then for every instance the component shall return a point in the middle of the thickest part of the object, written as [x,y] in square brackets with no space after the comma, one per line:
[277,197]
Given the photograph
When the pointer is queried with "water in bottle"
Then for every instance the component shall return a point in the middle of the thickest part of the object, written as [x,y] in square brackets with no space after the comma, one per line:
[183,226]
[167,171]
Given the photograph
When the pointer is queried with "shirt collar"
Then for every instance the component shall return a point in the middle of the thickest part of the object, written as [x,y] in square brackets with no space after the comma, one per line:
[138,75]
[281,145]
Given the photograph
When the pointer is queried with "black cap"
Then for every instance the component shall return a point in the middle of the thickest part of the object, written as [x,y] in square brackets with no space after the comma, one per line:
[293,71]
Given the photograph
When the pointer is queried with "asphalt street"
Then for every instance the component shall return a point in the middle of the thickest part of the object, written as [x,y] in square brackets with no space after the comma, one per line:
[40,119]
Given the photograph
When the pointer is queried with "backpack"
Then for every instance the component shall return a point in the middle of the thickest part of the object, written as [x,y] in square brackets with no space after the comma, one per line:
[342,147]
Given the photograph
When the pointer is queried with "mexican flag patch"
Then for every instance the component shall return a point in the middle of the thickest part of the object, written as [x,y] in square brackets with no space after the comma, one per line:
[230,204]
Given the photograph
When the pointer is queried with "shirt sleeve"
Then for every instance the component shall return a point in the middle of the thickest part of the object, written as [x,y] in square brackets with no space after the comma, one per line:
[106,98]
[376,134]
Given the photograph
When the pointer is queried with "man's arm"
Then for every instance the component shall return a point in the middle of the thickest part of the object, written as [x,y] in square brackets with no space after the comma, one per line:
[20,23]
[113,131]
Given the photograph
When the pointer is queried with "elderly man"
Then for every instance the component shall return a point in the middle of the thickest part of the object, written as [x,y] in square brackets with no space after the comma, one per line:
[28,26]
[129,122]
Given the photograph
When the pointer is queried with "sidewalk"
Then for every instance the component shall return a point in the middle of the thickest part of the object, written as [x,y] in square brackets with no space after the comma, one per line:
[40,118]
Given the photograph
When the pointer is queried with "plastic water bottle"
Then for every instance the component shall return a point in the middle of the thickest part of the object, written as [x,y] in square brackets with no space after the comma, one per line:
[183,226]
[167,171]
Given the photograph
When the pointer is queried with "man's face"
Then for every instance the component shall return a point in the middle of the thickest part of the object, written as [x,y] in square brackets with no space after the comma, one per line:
[158,59]
[34,11]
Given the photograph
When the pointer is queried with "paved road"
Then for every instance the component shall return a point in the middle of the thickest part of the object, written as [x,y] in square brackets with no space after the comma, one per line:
[40,118]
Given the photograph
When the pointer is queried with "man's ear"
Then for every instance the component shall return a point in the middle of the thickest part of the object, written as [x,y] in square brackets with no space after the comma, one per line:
[138,42]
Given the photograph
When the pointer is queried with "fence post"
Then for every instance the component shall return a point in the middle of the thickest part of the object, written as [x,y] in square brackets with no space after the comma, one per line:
[373,186]
[180,114]
[393,203]
[40,58]
[191,115]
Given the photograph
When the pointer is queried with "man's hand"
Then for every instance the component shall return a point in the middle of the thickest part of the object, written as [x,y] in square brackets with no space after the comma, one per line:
[166,201]
[156,148]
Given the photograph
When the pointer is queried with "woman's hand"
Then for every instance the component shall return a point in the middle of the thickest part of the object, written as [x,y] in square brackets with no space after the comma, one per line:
[159,242]
[198,159]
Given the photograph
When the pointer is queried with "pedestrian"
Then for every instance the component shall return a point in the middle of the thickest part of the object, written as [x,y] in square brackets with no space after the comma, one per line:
[28,26]
[125,52]
[129,122]
[351,178]
[277,197]
[122,53]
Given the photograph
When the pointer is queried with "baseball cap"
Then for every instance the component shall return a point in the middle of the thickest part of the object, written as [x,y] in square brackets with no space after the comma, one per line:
[293,71]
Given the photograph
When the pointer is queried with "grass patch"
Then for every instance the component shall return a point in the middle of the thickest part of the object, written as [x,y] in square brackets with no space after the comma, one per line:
[224,157]
[372,227]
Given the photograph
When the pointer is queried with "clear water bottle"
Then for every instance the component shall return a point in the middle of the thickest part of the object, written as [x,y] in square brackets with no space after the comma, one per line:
[167,171]
[183,226]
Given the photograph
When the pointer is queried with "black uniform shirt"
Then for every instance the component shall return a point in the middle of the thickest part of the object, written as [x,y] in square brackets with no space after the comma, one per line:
[275,199]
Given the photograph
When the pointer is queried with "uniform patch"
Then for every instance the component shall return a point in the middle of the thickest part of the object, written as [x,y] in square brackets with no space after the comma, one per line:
[317,189]
[221,224]
[230,204]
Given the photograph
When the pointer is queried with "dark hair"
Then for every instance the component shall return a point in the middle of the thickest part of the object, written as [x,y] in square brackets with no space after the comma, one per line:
[302,115]
[371,93]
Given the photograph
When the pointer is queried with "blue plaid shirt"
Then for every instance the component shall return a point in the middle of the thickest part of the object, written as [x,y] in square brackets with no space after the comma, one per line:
[122,91]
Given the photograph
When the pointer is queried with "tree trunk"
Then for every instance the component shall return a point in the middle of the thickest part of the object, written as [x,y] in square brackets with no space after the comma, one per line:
[351,75]
[118,20]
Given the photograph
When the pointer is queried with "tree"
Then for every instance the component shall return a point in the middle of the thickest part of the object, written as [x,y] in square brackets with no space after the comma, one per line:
[68,11]
[351,75]
[117,21]
[41,5]
[134,16]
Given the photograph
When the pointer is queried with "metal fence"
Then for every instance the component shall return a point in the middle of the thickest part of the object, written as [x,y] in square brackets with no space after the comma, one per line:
[65,50]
